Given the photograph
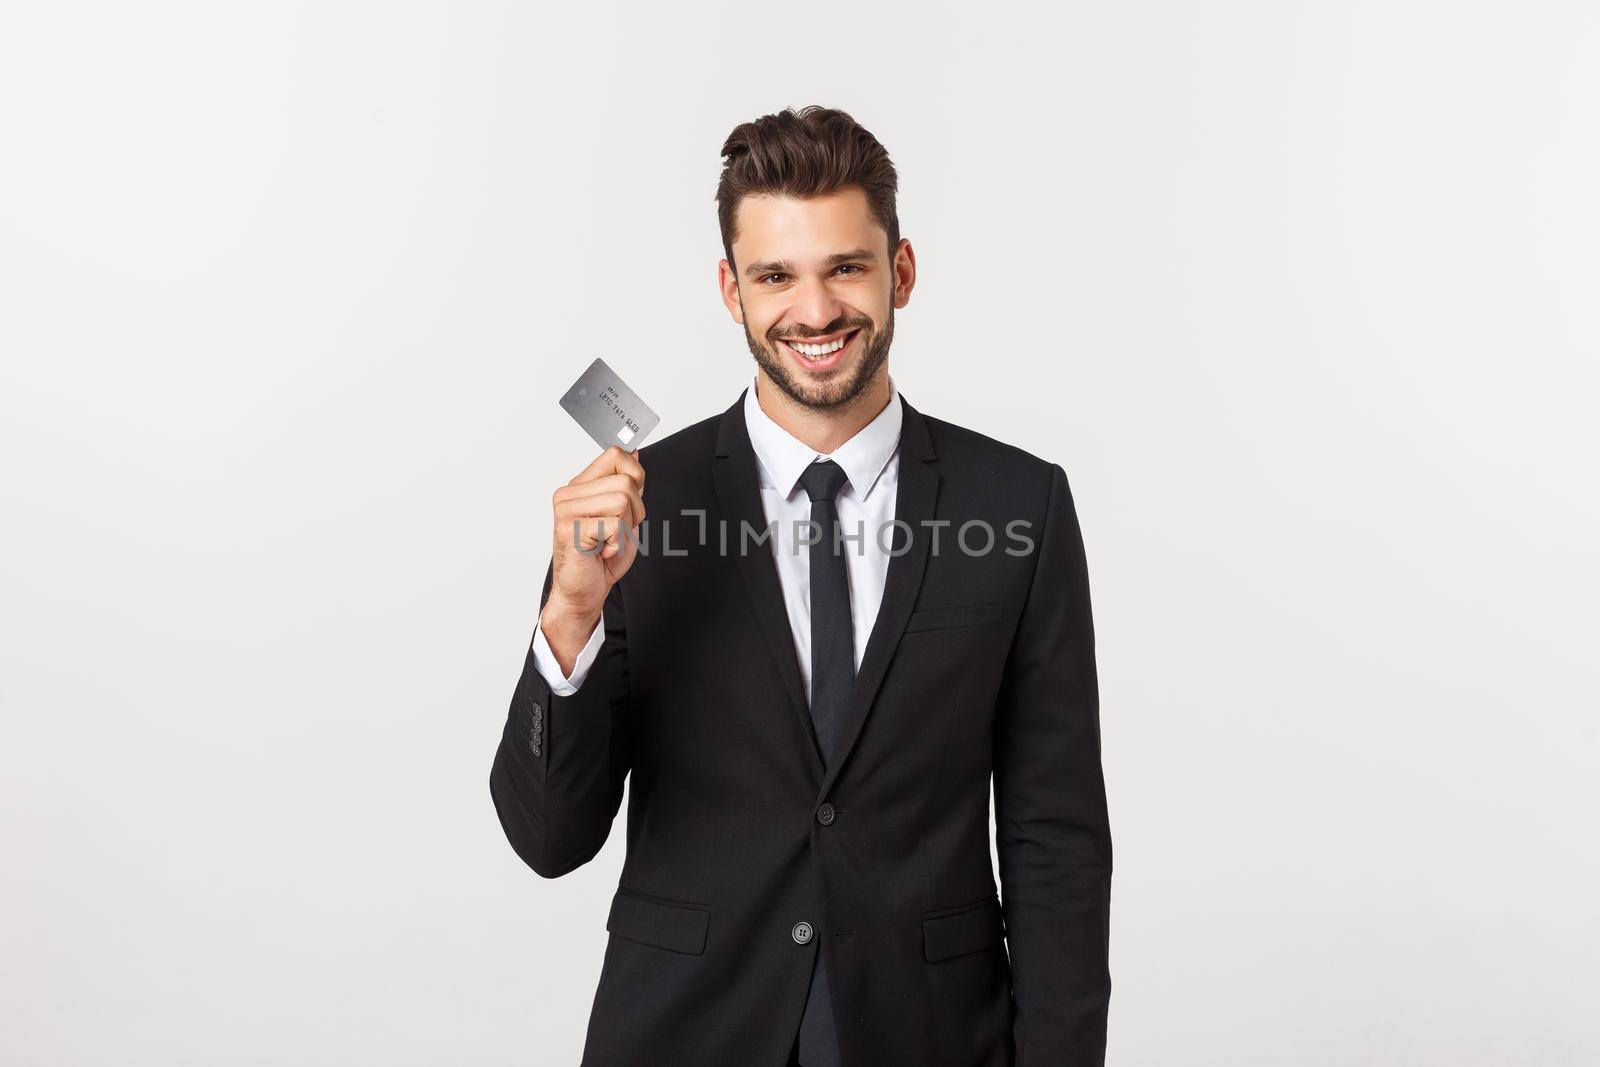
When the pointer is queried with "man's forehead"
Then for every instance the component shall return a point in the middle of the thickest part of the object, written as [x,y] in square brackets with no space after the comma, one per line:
[772,215]
[824,229]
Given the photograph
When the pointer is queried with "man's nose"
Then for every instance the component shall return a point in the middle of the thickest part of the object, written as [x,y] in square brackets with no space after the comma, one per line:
[815,306]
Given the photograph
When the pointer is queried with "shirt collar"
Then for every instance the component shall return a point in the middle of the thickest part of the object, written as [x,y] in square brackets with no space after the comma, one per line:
[784,457]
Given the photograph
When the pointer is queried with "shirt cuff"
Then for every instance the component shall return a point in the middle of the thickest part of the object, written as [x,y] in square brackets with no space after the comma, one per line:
[545,659]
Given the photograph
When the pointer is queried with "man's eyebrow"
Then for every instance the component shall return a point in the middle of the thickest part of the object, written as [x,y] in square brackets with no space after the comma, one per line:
[783,266]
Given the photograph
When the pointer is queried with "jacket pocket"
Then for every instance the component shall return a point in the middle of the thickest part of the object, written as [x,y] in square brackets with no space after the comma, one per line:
[957,931]
[677,927]
[949,618]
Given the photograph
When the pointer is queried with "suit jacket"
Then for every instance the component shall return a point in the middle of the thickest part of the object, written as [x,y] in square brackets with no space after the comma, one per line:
[747,852]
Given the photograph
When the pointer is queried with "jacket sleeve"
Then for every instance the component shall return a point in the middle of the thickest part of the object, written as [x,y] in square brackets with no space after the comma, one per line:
[1052,828]
[558,772]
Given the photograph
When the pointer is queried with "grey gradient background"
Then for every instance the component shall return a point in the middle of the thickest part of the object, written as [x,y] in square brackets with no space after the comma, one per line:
[1301,295]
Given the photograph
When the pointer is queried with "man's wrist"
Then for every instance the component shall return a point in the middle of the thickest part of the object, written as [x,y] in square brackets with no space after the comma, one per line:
[566,630]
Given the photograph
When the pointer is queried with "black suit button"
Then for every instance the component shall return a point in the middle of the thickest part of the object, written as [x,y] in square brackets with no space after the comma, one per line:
[825,815]
[801,933]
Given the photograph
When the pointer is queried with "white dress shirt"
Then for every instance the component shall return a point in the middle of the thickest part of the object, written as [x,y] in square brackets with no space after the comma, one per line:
[871,462]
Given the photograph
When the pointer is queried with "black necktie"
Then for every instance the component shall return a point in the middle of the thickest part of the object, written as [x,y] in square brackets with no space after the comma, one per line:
[833,675]
[833,657]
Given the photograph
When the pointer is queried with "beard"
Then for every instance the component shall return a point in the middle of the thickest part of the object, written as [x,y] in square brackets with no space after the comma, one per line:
[833,395]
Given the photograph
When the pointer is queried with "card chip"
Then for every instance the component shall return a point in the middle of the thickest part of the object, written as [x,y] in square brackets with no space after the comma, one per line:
[625,434]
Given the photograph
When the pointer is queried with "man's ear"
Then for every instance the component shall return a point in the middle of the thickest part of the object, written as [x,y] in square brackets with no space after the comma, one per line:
[904,274]
[728,286]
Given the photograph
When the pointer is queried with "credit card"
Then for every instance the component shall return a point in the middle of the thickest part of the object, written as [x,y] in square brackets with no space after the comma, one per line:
[612,413]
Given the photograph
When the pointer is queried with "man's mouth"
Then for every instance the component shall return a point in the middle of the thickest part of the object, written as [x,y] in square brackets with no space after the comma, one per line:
[820,353]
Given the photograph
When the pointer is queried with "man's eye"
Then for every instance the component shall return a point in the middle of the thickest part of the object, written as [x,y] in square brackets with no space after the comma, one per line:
[843,266]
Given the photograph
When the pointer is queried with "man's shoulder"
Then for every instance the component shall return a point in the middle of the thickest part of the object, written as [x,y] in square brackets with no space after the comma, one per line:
[963,450]
[692,444]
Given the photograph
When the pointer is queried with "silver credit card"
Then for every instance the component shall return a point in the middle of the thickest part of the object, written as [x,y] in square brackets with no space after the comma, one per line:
[612,413]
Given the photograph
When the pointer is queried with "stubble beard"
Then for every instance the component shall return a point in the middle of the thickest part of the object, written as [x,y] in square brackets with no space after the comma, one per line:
[829,396]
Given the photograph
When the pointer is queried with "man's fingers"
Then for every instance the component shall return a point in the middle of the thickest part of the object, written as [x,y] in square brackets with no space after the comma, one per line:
[602,504]
[614,503]
[588,533]
[625,483]
[612,461]
[604,463]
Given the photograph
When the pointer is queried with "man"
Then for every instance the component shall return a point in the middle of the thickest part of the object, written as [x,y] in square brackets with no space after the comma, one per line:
[841,620]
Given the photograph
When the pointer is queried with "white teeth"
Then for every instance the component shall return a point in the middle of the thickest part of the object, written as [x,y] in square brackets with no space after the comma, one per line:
[817,351]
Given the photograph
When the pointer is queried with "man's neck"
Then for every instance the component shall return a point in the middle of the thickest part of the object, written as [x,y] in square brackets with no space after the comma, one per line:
[823,430]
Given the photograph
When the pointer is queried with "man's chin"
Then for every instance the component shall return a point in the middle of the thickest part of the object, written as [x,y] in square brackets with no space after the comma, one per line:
[818,389]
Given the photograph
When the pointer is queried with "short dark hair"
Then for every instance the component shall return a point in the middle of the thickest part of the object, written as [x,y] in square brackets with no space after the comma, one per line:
[811,152]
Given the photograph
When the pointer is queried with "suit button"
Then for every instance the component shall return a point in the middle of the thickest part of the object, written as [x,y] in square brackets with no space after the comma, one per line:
[801,933]
[825,815]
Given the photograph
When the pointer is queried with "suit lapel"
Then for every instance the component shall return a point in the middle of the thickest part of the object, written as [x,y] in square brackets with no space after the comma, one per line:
[917,494]
[738,488]
[739,495]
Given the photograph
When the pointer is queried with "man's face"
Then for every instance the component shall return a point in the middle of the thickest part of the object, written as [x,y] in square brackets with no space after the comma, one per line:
[815,273]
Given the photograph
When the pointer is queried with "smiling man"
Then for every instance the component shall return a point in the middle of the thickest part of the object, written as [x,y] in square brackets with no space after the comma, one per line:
[842,621]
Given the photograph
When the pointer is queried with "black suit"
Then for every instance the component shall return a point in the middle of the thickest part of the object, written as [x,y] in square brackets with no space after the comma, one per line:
[978,664]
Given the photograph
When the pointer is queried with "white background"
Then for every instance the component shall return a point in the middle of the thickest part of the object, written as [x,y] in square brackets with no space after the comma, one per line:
[1301,295]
